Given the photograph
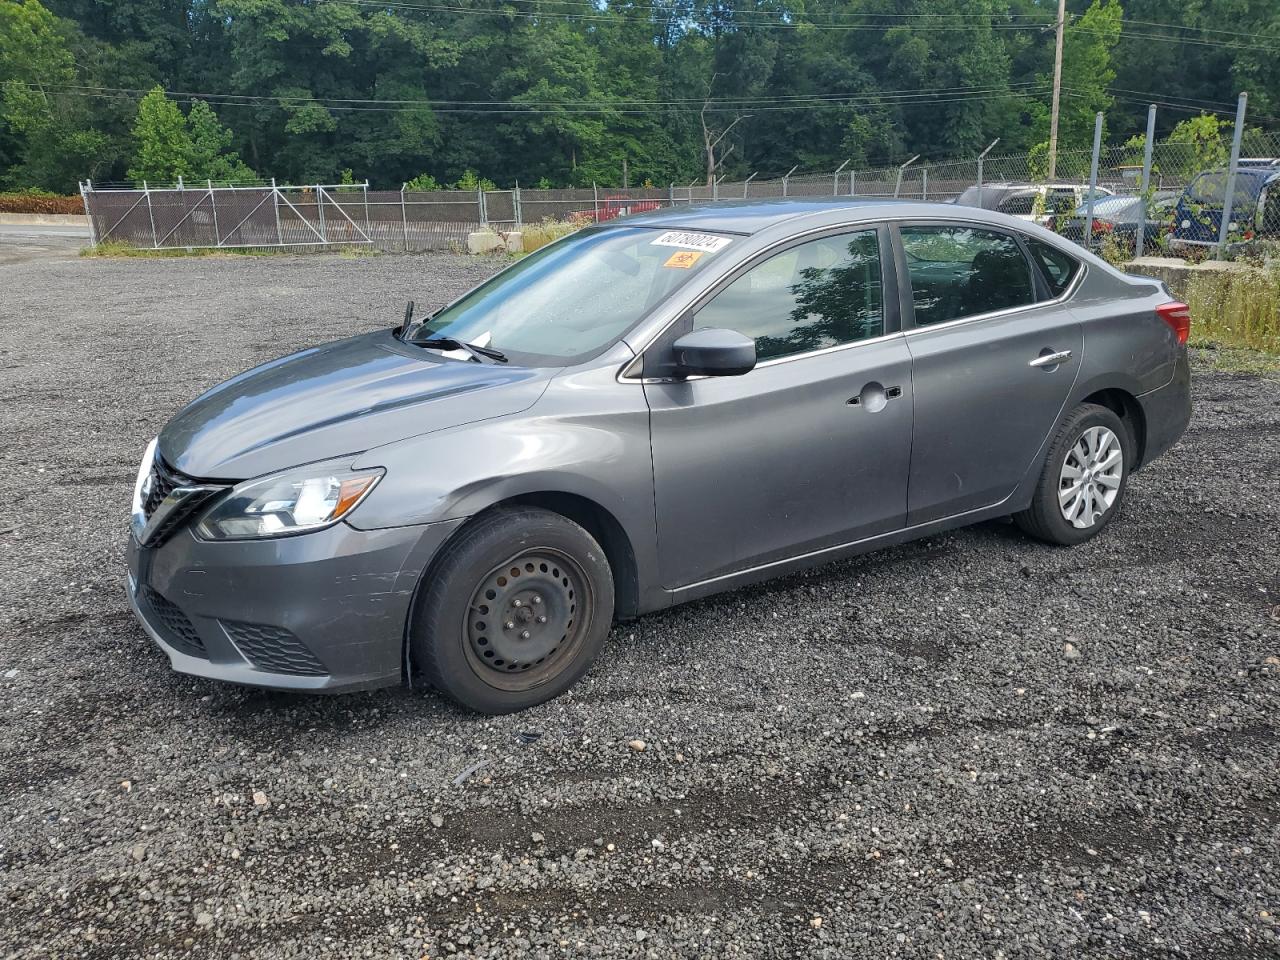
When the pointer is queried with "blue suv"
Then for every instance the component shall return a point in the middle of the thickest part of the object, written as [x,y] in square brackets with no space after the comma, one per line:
[1255,206]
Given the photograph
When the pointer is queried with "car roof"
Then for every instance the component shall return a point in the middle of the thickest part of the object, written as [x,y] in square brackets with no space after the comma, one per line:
[748,217]
[1248,173]
[752,216]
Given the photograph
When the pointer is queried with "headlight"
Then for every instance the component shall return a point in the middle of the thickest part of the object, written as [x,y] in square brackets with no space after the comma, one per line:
[298,501]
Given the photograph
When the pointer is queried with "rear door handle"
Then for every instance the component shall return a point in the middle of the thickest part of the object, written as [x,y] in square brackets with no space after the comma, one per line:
[1051,359]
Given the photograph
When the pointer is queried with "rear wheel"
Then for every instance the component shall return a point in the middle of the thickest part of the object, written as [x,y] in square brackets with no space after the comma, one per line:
[1084,478]
[514,612]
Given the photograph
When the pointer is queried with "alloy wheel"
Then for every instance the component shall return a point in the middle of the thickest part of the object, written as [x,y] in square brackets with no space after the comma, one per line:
[1090,478]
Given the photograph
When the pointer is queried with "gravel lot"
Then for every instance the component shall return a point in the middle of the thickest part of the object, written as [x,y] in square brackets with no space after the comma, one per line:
[970,746]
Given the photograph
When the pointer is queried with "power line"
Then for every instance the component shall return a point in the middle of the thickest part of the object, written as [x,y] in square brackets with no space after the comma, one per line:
[906,95]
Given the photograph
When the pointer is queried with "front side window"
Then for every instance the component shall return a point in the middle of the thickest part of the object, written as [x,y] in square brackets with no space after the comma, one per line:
[819,294]
[568,301]
[961,272]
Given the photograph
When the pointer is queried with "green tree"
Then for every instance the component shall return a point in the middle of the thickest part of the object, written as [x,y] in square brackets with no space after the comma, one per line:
[1204,139]
[162,143]
[211,156]
[423,181]
[168,145]
[47,138]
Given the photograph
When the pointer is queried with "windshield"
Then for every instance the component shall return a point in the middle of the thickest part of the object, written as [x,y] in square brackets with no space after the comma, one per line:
[569,301]
[1211,187]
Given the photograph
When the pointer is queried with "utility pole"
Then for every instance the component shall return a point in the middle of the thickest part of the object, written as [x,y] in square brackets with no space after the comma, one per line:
[1057,92]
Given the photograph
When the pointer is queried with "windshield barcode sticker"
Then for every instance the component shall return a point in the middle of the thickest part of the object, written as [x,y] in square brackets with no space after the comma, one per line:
[692,241]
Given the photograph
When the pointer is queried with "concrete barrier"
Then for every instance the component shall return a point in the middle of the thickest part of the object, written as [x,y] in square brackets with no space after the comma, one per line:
[491,241]
[1177,272]
[44,220]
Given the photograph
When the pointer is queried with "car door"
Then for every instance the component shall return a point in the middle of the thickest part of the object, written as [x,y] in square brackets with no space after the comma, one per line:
[980,322]
[812,447]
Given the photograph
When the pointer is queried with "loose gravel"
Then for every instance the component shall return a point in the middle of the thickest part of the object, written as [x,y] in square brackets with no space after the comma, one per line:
[969,746]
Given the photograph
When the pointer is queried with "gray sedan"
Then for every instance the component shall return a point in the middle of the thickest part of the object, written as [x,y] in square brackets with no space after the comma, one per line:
[646,412]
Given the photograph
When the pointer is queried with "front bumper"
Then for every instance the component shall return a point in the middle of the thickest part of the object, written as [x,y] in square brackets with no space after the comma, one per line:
[324,611]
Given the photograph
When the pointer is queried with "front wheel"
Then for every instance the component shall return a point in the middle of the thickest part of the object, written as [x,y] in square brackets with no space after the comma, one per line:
[515,611]
[1084,478]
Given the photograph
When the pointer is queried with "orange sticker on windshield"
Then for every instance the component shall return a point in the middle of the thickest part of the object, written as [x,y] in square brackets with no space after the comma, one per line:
[683,259]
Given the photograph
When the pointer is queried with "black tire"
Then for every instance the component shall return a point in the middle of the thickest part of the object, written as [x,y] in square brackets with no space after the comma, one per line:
[1045,518]
[514,612]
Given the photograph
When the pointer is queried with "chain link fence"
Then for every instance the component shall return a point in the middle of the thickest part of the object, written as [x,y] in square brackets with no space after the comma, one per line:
[1174,198]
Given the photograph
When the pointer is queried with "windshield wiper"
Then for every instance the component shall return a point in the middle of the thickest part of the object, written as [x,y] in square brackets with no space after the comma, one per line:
[478,354]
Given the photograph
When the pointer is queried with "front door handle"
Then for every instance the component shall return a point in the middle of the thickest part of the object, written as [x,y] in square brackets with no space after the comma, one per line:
[1049,358]
[874,397]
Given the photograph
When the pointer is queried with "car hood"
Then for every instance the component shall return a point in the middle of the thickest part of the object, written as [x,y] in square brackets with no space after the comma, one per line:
[343,397]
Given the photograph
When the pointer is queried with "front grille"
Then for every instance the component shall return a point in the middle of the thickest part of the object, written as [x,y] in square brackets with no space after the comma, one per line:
[178,630]
[164,480]
[273,649]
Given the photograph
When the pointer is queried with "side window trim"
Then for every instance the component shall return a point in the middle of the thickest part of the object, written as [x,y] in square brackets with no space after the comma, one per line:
[1039,282]
[652,367]
[907,302]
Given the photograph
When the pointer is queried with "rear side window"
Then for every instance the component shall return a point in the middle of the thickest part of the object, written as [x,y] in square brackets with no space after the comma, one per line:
[959,272]
[1019,205]
[1059,269]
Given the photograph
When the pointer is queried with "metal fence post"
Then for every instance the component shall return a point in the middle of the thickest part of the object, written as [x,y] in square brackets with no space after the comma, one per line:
[671,193]
[324,234]
[1229,195]
[366,207]
[484,207]
[85,188]
[275,204]
[853,176]
[1093,180]
[146,192]
[786,178]
[404,218]
[595,202]
[1140,240]
[747,183]
[924,184]
[897,185]
[835,180]
[982,156]
[213,205]
[515,203]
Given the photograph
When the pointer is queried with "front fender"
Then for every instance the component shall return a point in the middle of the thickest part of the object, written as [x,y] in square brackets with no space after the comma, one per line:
[587,436]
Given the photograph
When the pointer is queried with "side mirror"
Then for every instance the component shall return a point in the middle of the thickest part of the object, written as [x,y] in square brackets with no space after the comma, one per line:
[713,352]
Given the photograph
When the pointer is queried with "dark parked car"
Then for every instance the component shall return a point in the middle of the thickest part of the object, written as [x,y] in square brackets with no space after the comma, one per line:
[1119,218]
[1255,206]
[1044,203]
[645,412]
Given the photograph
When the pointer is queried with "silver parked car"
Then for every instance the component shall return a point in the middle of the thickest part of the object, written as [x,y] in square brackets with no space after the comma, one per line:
[645,412]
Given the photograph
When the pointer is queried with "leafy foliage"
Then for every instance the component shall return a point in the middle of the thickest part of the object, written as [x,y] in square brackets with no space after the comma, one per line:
[39,201]
[568,94]
[169,145]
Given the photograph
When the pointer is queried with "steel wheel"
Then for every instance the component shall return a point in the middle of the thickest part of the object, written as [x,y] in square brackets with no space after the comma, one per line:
[1090,478]
[527,618]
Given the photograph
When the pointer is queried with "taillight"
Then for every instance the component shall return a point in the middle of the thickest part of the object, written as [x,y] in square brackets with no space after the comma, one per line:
[1178,316]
